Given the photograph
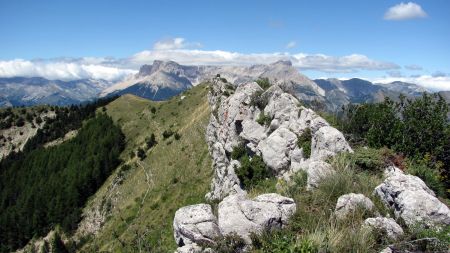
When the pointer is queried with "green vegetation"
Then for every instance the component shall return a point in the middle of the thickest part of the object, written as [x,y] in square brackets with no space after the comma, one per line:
[264,120]
[253,170]
[418,129]
[304,142]
[169,177]
[263,83]
[48,186]
[259,100]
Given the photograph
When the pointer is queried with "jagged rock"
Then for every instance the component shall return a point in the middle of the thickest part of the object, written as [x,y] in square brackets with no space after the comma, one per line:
[348,203]
[195,224]
[412,200]
[189,248]
[243,216]
[276,148]
[328,141]
[386,225]
[282,107]
[252,131]
[308,119]
[317,171]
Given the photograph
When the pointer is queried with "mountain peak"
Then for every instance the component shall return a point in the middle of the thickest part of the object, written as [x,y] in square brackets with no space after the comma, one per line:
[287,63]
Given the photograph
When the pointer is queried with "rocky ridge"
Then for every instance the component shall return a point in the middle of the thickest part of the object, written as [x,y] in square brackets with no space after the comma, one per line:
[233,123]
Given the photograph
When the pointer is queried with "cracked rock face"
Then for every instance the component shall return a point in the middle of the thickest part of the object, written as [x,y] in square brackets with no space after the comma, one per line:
[328,141]
[349,203]
[412,200]
[195,224]
[243,216]
[386,225]
[276,148]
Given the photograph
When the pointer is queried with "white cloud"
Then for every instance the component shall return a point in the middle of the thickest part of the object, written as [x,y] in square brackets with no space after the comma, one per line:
[291,44]
[404,11]
[62,70]
[427,81]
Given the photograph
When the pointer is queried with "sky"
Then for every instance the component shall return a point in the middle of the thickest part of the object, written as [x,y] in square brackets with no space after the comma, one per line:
[379,40]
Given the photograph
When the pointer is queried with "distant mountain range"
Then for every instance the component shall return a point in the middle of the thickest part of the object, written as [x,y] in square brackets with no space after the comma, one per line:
[24,91]
[164,79]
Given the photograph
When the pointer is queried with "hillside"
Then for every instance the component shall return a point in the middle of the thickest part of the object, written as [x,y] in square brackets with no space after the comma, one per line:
[138,201]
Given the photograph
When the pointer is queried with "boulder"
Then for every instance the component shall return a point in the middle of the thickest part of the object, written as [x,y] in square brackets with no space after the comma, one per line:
[243,216]
[276,148]
[349,203]
[252,131]
[328,141]
[195,224]
[386,225]
[412,200]
[189,248]
[317,171]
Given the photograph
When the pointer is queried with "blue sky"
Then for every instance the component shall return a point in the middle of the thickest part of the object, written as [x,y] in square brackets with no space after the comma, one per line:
[34,30]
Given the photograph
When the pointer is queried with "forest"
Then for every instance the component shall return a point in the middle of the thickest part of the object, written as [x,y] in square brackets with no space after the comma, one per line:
[41,188]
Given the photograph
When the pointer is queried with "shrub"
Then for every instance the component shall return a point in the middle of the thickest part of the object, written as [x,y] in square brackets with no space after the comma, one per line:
[252,171]
[229,244]
[369,159]
[263,83]
[264,120]
[153,110]
[151,141]
[177,136]
[238,152]
[141,154]
[304,142]
[428,174]
[167,133]
[258,100]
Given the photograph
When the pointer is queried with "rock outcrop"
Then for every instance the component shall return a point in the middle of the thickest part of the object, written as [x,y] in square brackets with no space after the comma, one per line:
[412,200]
[195,224]
[234,123]
[243,216]
[388,226]
[349,203]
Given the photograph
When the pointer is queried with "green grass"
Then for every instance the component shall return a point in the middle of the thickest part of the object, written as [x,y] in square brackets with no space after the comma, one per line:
[179,172]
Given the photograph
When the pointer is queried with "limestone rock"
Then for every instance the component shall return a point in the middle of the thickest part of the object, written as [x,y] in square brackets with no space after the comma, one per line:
[243,216]
[276,148]
[195,224]
[328,141]
[412,200]
[348,203]
[386,225]
[317,171]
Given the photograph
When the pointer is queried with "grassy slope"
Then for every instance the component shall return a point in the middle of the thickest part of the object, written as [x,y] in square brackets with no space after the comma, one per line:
[171,176]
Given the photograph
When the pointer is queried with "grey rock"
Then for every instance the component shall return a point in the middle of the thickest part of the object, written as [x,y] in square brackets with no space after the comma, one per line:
[243,216]
[195,224]
[412,200]
[276,148]
[328,141]
[317,171]
[387,225]
[349,203]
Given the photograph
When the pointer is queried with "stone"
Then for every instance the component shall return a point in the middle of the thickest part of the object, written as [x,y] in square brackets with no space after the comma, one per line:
[349,203]
[276,148]
[387,225]
[195,224]
[412,200]
[328,141]
[243,216]
[317,171]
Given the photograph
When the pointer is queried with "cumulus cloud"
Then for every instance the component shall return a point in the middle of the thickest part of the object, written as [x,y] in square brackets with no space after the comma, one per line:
[413,67]
[405,11]
[427,81]
[62,70]
[291,44]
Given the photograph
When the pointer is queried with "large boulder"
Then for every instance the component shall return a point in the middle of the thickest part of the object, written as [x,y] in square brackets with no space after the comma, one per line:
[243,216]
[317,171]
[412,200]
[276,148]
[195,224]
[328,141]
[349,203]
[386,225]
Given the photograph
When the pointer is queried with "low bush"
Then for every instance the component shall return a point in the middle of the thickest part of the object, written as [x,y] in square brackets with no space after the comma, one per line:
[252,171]
[263,83]
[304,142]
[258,100]
[264,120]
[167,133]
